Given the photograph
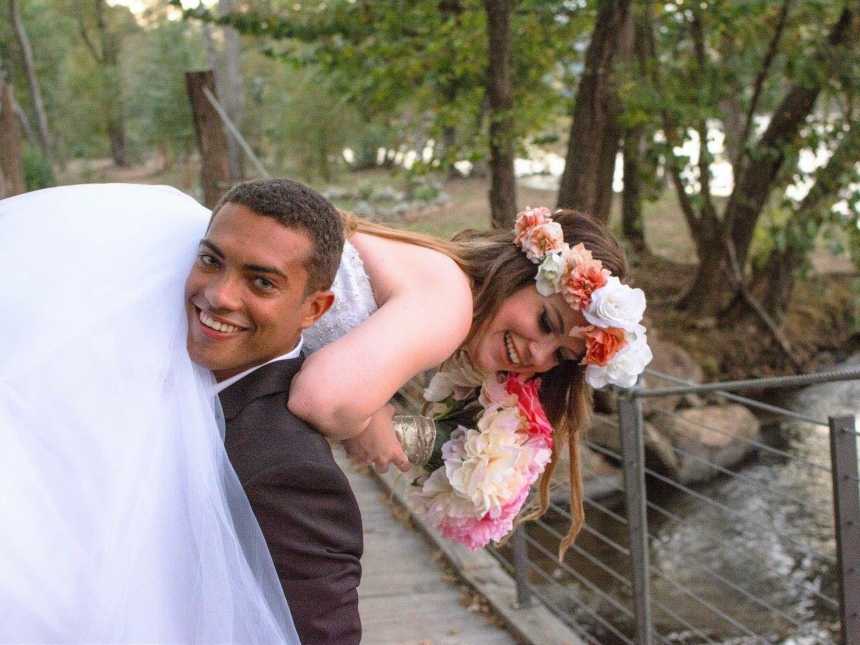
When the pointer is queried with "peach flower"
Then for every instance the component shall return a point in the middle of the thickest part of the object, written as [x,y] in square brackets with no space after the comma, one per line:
[527,220]
[582,277]
[543,239]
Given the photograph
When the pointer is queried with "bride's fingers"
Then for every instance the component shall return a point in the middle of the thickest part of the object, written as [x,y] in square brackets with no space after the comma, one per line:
[402,463]
[399,459]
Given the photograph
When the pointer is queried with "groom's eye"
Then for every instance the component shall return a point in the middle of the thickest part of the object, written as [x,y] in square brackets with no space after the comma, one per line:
[208,260]
[263,283]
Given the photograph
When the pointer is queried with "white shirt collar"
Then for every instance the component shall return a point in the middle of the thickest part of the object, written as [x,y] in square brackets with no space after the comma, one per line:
[291,354]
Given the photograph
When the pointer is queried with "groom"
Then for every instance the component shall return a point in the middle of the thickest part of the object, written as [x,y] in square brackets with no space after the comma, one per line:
[263,274]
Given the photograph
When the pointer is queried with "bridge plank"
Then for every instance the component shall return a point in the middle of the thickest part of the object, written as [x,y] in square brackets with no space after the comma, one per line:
[407,597]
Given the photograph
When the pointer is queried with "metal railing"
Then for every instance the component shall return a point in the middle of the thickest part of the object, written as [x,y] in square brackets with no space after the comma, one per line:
[761,549]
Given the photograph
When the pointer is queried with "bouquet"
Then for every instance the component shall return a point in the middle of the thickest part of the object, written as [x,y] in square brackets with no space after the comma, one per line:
[486,473]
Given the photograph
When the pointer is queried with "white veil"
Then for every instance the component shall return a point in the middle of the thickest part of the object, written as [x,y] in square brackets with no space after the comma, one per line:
[122,519]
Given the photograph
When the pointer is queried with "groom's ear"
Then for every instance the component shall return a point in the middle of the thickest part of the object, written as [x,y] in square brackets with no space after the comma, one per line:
[315,305]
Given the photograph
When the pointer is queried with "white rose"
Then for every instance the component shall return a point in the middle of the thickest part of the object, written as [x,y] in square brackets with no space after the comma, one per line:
[616,305]
[625,366]
[482,466]
[549,273]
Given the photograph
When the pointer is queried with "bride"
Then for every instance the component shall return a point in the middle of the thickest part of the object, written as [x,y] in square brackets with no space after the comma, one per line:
[126,521]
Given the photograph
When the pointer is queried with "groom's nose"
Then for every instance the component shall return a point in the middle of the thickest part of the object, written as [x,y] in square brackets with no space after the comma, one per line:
[223,292]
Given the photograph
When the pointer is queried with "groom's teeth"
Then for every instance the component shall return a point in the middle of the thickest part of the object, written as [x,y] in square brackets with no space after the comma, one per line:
[217,326]
[513,356]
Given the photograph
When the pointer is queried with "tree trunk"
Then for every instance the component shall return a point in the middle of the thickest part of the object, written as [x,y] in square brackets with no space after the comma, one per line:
[503,197]
[115,107]
[594,134]
[632,225]
[32,79]
[211,139]
[231,91]
[116,134]
[11,168]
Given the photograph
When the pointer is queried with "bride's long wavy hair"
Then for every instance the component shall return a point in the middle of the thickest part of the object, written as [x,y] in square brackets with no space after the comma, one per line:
[498,269]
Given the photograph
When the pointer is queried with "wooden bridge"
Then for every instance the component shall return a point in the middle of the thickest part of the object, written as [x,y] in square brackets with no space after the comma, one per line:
[415,591]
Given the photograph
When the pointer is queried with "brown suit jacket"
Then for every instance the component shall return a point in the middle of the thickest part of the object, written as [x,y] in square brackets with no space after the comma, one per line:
[303,502]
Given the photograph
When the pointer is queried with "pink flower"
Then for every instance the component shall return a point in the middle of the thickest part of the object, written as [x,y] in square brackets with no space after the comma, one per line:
[583,276]
[541,240]
[527,220]
[476,532]
[528,401]
[488,473]
[601,344]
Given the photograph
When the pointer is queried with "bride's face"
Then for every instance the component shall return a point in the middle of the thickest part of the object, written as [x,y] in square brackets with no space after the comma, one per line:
[528,334]
[245,295]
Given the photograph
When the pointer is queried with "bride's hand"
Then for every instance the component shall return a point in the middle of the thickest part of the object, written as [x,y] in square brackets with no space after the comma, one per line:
[377,443]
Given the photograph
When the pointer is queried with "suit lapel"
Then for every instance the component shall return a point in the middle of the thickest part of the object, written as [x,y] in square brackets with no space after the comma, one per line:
[268,379]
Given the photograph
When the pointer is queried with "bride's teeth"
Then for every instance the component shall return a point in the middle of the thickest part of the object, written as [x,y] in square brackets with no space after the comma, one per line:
[513,356]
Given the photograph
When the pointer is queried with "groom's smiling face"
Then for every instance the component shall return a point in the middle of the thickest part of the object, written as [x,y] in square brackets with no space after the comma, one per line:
[246,295]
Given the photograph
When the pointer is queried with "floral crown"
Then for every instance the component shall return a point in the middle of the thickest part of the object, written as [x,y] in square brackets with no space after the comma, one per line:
[616,343]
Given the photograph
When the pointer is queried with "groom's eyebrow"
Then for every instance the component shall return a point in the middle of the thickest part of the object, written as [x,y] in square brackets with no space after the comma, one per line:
[256,268]
[212,248]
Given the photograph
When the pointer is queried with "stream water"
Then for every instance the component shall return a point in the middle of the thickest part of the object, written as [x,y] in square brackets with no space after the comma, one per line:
[758,565]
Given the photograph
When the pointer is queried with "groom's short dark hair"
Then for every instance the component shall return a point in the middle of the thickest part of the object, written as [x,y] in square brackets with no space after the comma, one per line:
[296,206]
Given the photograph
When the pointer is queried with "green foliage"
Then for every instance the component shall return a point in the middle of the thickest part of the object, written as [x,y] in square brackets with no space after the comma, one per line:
[76,89]
[420,64]
[37,170]
[158,109]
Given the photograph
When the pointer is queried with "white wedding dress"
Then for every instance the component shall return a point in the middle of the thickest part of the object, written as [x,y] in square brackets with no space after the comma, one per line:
[122,519]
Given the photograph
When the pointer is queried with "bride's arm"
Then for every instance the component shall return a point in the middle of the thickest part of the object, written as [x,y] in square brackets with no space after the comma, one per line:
[422,322]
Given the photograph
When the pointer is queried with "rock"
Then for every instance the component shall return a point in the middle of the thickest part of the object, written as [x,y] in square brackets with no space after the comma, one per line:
[671,359]
[606,401]
[388,194]
[600,478]
[363,209]
[708,435]
[659,455]
[336,193]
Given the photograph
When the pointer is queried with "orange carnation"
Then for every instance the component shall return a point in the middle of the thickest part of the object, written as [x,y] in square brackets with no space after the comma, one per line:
[527,220]
[602,344]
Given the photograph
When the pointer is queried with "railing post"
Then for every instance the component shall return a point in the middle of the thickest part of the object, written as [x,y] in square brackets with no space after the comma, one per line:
[521,567]
[846,508]
[633,453]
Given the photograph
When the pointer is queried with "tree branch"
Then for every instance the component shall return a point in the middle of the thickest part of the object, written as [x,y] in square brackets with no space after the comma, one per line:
[709,212]
[739,284]
[759,84]
[669,128]
[754,184]
[82,27]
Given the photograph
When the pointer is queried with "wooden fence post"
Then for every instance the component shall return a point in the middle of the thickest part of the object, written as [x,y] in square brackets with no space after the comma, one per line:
[211,138]
[11,167]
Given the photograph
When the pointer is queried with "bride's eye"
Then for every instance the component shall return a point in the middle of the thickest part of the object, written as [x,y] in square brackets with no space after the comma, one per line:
[544,322]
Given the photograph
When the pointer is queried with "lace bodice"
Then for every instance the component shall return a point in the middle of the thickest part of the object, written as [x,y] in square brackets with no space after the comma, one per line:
[353,304]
